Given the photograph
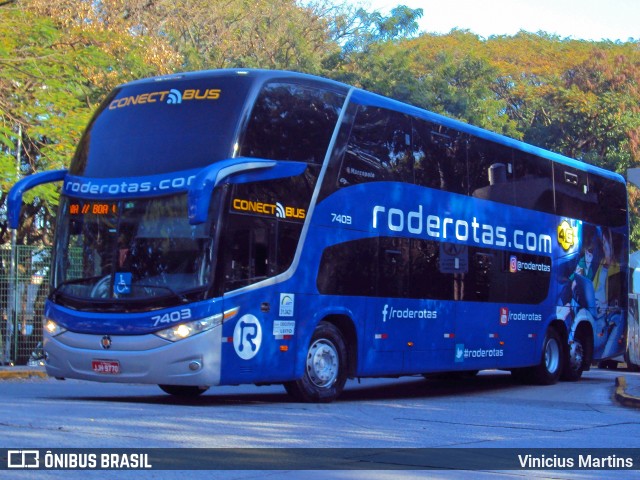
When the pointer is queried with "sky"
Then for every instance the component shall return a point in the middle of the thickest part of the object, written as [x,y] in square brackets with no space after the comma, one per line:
[576,19]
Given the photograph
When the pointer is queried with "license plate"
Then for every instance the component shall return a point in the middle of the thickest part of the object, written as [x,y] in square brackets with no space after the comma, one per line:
[107,367]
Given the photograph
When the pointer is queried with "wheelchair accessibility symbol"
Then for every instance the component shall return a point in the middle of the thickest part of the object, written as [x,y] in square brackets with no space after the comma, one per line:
[247,337]
[122,285]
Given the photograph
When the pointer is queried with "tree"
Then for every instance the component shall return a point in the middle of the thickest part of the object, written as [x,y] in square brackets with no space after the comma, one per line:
[450,74]
[58,59]
[277,34]
[593,114]
[370,28]
[54,69]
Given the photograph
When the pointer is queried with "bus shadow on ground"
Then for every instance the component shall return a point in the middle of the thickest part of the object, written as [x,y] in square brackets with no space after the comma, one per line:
[432,386]
[435,386]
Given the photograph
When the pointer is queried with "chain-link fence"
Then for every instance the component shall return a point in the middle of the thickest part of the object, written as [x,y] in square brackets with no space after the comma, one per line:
[24,284]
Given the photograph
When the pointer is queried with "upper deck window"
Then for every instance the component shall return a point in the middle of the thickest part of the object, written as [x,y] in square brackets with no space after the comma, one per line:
[292,122]
[151,128]
[379,148]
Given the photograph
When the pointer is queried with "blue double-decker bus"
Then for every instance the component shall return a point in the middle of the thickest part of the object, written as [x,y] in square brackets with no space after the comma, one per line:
[244,226]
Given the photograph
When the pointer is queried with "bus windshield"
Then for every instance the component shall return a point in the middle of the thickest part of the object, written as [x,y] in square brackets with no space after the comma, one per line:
[152,128]
[125,251]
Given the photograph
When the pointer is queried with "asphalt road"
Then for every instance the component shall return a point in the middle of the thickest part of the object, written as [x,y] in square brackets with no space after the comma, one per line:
[489,411]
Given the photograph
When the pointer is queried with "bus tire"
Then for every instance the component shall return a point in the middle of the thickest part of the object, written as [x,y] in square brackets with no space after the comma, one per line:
[632,367]
[608,364]
[183,391]
[521,375]
[325,369]
[576,358]
[548,371]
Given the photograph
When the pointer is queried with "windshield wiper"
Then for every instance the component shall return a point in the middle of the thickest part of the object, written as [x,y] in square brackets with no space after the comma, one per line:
[179,296]
[76,281]
[102,297]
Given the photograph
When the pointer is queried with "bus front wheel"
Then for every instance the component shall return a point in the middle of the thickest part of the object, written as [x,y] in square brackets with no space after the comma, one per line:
[183,391]
[325,369]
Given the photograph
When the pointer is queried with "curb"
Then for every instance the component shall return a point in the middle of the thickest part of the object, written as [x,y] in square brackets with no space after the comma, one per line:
[22,373]
[622,396]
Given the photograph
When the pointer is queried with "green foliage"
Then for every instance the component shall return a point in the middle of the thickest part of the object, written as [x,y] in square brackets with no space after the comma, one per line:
[59,59]
[372,28]
[52,74]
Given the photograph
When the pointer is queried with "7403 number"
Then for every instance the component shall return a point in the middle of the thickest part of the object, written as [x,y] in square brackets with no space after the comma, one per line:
[171,317]
[339,218]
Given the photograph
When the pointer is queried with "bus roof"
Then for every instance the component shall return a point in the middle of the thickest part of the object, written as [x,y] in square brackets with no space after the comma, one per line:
[258,75]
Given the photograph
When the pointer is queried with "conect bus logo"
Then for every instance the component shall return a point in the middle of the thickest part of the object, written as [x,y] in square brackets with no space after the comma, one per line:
[174,96]
[273,209]
[170,97]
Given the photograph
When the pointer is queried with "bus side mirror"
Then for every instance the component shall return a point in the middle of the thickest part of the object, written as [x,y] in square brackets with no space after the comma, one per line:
[14,200]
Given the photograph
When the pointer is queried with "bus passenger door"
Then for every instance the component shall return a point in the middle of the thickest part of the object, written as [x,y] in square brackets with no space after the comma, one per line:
[255,248]
[244,260]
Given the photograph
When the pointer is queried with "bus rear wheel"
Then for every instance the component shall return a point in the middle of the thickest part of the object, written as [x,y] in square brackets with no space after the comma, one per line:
[577,353]
[632,367]
[183,391]
[548,371]
[325,371]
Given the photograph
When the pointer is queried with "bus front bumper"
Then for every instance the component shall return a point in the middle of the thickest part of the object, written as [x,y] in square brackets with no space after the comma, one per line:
[147,358]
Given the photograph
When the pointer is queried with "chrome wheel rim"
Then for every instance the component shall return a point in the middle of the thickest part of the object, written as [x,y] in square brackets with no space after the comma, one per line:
[576,356]
[552,355]
[323,363]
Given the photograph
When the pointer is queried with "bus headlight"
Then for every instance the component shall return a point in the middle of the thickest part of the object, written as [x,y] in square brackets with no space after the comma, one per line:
[53,328]
[186,330]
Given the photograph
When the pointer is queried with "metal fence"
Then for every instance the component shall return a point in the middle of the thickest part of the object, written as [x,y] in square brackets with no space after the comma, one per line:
[24,285]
